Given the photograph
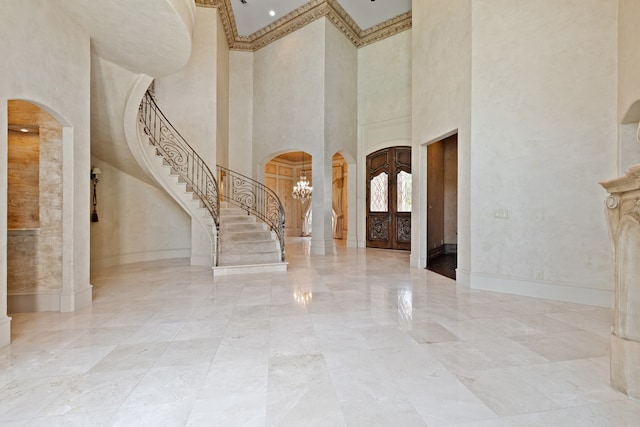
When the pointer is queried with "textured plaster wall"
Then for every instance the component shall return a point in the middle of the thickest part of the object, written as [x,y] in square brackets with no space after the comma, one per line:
[137,221]
[53,72]
[189,97]
[241,112]
[222,96]
[341,105]
[288,103]
[384,79]
[441,102]
[543,122]
[384,110]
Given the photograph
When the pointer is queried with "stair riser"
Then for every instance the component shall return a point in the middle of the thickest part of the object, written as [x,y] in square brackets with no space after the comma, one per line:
[244,227]
[237,219]
[247,247]
[248,259]
[246,237]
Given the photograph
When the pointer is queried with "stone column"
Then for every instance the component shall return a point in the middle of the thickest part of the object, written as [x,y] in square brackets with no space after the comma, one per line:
[623,216]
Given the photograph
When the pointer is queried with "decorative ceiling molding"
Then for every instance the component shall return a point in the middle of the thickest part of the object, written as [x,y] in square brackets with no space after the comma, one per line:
[302,16]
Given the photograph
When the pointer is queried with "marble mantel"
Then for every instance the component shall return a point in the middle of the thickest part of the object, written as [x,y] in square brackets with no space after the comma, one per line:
[623,216]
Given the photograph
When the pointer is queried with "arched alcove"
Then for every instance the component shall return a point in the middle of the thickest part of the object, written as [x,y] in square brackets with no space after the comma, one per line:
[34,208]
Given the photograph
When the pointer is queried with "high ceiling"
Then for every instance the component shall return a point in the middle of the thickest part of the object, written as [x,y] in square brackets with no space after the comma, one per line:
[249,25]
[253,15]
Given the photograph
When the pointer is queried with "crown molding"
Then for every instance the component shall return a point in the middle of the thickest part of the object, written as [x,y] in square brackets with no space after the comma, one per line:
[302,16]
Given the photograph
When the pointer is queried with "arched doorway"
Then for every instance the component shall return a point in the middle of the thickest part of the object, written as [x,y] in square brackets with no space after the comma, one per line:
[389,198]
[281,175]
[34,208]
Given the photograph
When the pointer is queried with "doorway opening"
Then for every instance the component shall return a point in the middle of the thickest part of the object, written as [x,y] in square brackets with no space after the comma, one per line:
[389,198]
[281,174]
[442,206]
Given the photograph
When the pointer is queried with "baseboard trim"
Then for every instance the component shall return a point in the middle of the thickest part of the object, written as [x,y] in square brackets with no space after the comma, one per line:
[33,302]
[140,257]
[77,300]
[546,290]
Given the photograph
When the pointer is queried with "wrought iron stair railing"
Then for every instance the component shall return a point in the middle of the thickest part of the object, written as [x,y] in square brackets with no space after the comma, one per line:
[255,198]
[183,159]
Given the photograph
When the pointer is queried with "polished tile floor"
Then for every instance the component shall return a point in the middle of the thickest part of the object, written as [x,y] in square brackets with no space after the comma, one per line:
[356,339]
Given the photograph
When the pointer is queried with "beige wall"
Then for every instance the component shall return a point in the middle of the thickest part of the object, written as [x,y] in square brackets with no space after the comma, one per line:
[544,126]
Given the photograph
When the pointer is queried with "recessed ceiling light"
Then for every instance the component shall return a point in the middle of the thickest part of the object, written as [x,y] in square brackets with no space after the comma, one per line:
[24,130]
[272,13]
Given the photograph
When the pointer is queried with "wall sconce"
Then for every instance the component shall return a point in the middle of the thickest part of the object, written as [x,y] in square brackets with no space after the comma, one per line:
[95,178]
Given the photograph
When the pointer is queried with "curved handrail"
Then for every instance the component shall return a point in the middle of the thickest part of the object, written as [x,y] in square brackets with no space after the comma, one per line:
[254,197]
[182,158]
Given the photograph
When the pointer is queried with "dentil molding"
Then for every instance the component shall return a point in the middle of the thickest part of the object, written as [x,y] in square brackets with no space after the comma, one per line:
[302,16]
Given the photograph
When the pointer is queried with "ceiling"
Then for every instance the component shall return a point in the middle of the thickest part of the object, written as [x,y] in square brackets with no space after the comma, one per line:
[253,15]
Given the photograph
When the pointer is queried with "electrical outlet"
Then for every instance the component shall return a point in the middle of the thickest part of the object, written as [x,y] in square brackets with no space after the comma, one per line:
[502,213]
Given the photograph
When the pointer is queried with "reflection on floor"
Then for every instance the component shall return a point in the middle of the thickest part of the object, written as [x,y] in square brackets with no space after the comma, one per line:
[355,339]
[444,264]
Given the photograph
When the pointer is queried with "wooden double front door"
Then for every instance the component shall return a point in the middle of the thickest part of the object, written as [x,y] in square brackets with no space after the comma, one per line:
[389,198]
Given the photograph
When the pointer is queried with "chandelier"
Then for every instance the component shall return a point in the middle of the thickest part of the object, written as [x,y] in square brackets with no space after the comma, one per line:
[302,190]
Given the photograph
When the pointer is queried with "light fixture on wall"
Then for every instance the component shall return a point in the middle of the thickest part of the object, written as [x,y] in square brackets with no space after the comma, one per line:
[302,190]
[95,178]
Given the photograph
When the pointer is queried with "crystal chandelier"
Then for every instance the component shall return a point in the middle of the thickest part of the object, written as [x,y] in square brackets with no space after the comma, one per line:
[302,190]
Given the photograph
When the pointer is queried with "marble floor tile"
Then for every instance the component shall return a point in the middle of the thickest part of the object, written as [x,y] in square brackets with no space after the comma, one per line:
[353,339]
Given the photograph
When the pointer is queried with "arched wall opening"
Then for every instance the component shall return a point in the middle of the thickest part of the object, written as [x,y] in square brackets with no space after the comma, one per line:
[35,235]
[281,173]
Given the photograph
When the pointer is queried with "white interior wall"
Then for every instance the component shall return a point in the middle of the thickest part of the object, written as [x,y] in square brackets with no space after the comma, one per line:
[341,105]
[441,106]
[137,222]
[288,101]
[289,109]
[189,97]
[543,122]
[54,73]
[222,96]
[192,102]
[241,112]
[384,111]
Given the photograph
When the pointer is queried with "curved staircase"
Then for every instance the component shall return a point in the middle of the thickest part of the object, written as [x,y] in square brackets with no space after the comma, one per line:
[246,231]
